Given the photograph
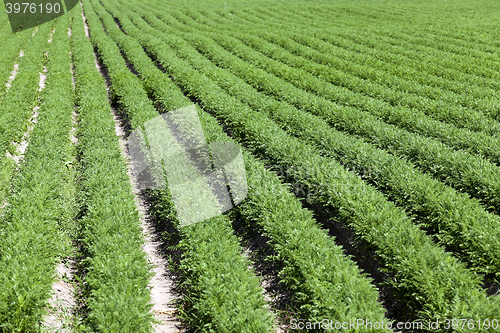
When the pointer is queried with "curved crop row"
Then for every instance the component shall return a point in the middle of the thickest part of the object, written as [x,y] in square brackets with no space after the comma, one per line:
[212,266]
[461,37]
[116,285]
[464,225]
[445,45]
[401,246]
[16,106]
[10,53]
[411,120]
[30,240]
[402,73]
[458,169]
[477,97]
[305,249]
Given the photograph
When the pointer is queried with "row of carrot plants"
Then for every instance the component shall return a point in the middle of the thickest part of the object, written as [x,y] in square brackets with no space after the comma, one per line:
[478,41]
[392,175]
[304,248]
[458,169]
[30,230]
[12,47]
[397,65]
[473,68]
[409,119]
[443,44]
[397,54]
[477,50]
[115,285]
[10,56]
[400,245]
[342,71]
[222,293]
[440,29]
[11,44]
[392,74]
[17,105]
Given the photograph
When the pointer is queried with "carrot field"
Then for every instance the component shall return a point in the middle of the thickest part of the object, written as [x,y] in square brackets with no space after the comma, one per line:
[362,192]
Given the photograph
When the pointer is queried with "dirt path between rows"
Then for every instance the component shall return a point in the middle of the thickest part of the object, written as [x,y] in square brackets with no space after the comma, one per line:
[161,284]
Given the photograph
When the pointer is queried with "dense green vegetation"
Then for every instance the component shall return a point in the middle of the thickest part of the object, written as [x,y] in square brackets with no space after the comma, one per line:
[212,269]
[370,134]
[285,209]
[18,102]
[118,273]
[31,236]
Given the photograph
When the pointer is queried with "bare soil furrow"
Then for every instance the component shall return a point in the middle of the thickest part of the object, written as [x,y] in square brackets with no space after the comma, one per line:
[162,295]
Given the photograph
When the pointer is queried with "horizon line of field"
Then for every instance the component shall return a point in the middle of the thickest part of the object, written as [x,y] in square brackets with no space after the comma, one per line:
[36,182]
